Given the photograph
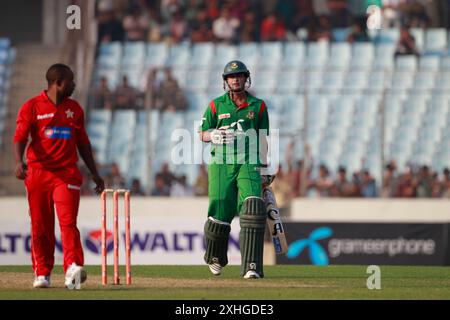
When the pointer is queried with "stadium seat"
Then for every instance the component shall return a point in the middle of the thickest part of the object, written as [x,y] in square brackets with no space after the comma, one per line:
[436,40]
[317,54]
[133,55]
[294,55]
[202,55]
[419,37]
[390,36]
[157,54]
[363,54]
[224,54]
[340,34]
[429,63]
[271,54]
[340,55]
[248,52]
[289,82]
[179,56]
[406,63]
[384,56]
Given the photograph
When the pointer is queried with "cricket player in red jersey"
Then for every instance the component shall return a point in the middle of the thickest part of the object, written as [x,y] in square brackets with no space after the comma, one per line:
[52,179]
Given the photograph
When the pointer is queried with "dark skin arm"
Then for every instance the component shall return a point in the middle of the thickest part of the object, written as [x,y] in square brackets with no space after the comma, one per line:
[86,154]
[21,168]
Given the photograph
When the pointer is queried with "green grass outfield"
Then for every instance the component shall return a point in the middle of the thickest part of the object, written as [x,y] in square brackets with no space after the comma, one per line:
[280,282]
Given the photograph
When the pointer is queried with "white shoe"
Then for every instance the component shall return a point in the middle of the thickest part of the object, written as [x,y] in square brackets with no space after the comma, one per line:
[41,282]
[75,276]
[215,267]
[251,274]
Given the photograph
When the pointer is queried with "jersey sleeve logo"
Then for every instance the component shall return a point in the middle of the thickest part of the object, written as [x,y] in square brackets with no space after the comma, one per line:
[224,116]
[58,132]
[69,113]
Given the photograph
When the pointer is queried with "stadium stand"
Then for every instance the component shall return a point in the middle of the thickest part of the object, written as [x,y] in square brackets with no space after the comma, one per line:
[7,56]
[346,85]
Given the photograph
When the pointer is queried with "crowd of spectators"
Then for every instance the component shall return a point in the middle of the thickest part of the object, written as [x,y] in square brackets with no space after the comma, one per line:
[251,20]
[162,93]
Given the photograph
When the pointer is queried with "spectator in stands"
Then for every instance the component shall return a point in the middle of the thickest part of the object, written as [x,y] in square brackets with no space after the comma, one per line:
[201,27]
[436,185]
[390,180]
[424,183]
[169,7]
[407,186]
[367,186]
[102,96]
[406,44]
[177,27]
[180,188]
[201,183]
[341,186]
[166,175]
[114,178]
[135,25]
[319,29]
[323,184]
[272,28]
[225,27]
[414,14]
[249,31]
[170,96]
[125,96]
[358,33]
[339,13]
[109,27]
[239,8]
[136,188]
[445,185]
[154,26]
[304,14]
[161,189]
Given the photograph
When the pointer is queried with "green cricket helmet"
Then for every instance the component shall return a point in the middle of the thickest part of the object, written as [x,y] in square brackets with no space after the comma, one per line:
[234,67]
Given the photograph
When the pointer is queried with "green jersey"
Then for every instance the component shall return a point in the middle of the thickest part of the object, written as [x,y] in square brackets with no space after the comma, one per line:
[250,121]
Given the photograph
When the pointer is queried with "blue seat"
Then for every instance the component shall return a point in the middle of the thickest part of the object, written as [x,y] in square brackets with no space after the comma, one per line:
[429,63]
[294,54]
[224,54]
[157,54]
[390,36]
[271,54]
[202,55]
[317,54]
[179,56]
[384,56]
[419,37]
[248,52]
[340,34]
[340,55]
[436,40]
[289,82]
[363,54]
[407,63]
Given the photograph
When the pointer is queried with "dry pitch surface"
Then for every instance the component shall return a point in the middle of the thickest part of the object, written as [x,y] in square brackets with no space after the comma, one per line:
[196,282]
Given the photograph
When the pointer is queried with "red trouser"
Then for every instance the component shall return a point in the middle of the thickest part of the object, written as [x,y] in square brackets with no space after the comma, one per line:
[46,191]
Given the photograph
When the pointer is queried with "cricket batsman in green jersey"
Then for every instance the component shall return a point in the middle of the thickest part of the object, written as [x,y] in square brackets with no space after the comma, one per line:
[237,125]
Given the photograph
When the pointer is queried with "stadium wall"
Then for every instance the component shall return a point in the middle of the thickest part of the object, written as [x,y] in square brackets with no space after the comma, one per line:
[170,231]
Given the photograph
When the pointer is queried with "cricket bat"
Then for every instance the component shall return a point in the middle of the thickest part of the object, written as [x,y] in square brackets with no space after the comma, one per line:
[274,222]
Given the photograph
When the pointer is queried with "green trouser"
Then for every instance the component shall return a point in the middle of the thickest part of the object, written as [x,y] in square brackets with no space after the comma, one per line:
[229,185]
[235,189]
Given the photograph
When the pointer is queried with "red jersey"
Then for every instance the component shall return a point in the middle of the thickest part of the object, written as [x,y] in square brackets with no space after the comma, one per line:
[55,131]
